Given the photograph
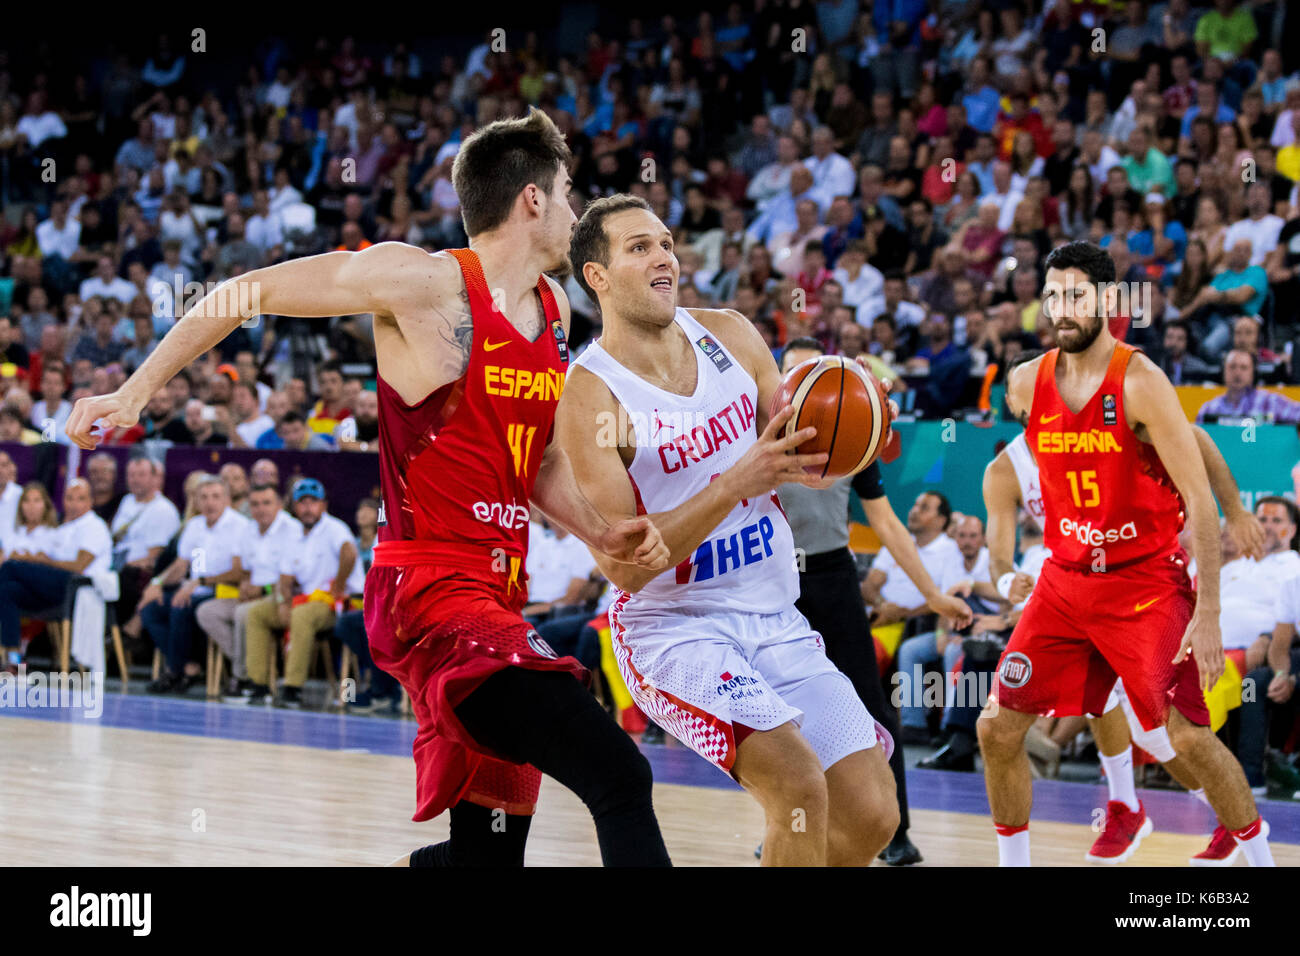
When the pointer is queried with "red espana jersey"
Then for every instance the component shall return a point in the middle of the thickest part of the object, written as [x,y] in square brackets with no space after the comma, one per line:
[1107,499]
[457,469]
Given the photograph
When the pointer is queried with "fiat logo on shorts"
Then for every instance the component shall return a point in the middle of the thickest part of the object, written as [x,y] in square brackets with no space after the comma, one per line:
[1015,670]
[540,646]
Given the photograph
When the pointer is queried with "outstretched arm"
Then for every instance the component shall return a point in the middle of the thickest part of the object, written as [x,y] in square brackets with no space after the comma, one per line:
[387,279]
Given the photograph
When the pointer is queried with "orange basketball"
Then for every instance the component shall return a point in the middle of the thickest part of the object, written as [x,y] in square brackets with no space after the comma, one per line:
[847,406]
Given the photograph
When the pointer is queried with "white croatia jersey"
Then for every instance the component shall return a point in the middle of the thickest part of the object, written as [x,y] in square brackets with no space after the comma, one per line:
[684,442]
[1031,492]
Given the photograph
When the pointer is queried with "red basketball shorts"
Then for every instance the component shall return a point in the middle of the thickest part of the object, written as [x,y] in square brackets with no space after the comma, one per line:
[442,632]
[1080,631]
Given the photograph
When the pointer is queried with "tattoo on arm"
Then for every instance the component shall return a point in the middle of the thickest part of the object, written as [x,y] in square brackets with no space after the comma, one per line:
[458,331]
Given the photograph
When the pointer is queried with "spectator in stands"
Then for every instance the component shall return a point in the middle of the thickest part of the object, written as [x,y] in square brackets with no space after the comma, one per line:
[142,527]
[945,365]
[207,555]
[360,431]
[249,421]
[892,598]
[1268,716]
[320,576]
[36,580]
[265,472]
[924,650]
[1244,400]
[199,420]
[10,494]
[380,693]
[98,346]
[265,549]
[29,526]
[51,412]
[13,428]
[101,472]
[1177,362]
[1260,228]
[236,479]
[1238,289]
[559,566]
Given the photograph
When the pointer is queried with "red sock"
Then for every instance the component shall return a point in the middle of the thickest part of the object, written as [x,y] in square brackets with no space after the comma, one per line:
[1006,831]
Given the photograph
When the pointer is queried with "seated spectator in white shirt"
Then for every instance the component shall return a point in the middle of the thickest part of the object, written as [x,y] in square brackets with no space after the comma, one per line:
[40,122]
[36,580]
[862,282]
[559,566]
[31,527]
[60,235]
[142,527]
[250,421]
[107,283]
[787,249]
[319,577]
[263,228]
[50,413]
[1004,194]
[1248,588]
[207,555]
[833,175]
[1260,226]
[894,301]
[888,590]
[270,535]
[10,494]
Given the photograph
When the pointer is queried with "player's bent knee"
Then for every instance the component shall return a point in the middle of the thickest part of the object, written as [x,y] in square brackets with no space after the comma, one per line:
[1000,730]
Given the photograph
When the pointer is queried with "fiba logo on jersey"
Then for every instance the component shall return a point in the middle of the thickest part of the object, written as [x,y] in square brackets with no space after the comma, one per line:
[539,646]
[1108,409]
[714,351]
[1015,670]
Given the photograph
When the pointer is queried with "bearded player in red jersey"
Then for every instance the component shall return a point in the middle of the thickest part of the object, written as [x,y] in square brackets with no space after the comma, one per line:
[1119,468]
[472,354]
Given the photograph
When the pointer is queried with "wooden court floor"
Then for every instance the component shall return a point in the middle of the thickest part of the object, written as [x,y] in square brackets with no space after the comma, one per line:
[87,794]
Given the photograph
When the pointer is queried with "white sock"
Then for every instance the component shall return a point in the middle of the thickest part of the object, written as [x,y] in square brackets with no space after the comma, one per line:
[1119,778]
[1200,795]
[1256,848]
[1013,849]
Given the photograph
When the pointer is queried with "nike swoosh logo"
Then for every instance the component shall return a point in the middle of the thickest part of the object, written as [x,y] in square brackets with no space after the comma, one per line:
[488,346]
[1143,607]
[1044,419]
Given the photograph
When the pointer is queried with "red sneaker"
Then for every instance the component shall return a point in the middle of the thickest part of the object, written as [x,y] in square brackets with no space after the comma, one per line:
[1121,834]
[1222,851]
[1223,848]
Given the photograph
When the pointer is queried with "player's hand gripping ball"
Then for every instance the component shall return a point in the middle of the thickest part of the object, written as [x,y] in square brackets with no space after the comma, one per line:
[845,403]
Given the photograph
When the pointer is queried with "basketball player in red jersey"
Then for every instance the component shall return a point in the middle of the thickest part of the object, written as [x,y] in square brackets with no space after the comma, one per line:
[472,356]
[1009,481]
[1119,468]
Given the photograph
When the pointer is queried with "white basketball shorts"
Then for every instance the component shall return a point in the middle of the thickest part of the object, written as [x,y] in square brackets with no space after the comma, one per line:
[711,678]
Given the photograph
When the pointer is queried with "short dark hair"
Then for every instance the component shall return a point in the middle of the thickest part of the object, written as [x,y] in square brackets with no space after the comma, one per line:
[803,342]
[497,162]
[264,486]
[1087,257]
[944,506]
[590,242]
[1293,515]
[291,416]
[333,365]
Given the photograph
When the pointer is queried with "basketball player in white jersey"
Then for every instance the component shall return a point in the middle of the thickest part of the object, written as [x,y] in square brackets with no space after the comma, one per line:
[1010,483]
[670,412]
